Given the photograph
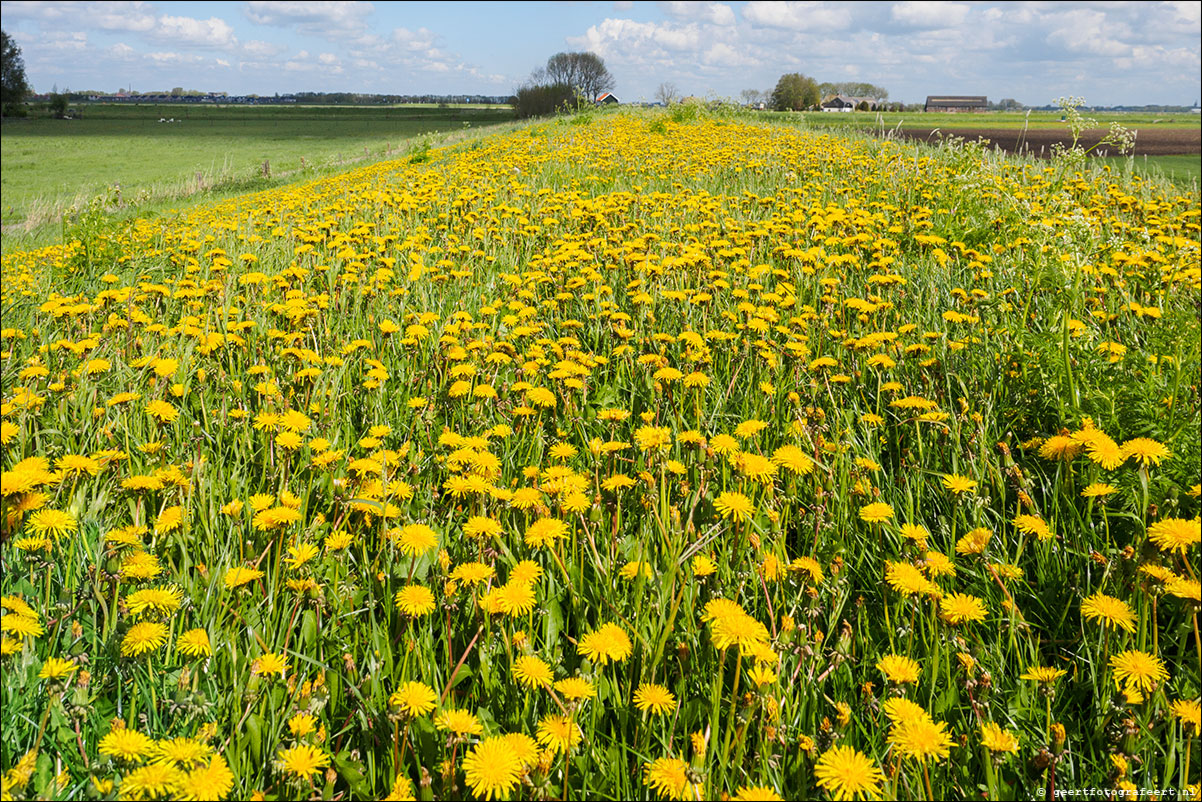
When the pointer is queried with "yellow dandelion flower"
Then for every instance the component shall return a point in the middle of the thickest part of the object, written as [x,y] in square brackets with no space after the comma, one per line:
[414,699]
[144,637]
[302,760]
[654,698]
[846,774]
[608,642]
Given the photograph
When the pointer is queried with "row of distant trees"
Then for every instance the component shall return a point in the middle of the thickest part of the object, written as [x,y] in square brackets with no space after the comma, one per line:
[797,92]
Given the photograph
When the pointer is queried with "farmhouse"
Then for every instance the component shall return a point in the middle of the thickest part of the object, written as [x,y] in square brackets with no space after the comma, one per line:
[956,103]
[848,103]
[608,97]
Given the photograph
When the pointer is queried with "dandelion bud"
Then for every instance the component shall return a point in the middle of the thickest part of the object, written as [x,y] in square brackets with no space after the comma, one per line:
[1058,737]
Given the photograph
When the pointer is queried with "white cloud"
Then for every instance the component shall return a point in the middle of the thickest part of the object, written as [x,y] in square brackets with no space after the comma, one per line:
[331,20]
[132,17]
[929,14]
[715,13]
[421,39]
[626,35]
[122,16]
[111,16]
[171,57]
[798,16]
[1088,32]
[66,41]
[258,49]
[189,32]
[721,54]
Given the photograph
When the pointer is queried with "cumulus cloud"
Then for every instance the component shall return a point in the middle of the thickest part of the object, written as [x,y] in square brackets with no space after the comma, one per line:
[1086,31]
[798,16]
[716,13]
[721,54]
[421,39]
[189,32]
[325,19]
[167,57]
[258,49]
[929,14]
[73,40]
[132,17]
[629,36]
[109,16]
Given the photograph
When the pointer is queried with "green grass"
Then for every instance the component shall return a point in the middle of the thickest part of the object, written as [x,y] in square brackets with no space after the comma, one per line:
[1184,170]
[692,276]
[50,165]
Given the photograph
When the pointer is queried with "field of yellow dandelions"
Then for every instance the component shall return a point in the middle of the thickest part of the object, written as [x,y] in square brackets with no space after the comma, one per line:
[612,457]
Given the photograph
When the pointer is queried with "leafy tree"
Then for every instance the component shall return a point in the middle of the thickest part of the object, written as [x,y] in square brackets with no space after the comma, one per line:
[584,72]
[538,99]
[1007,104]
[14,87]
[58,105]
[667,93]
[795,92]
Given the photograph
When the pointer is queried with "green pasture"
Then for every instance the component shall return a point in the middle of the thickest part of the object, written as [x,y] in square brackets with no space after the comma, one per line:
[50,165]
[994,119]
[1184,170]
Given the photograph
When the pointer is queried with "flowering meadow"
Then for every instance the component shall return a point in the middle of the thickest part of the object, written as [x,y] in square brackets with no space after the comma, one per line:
[621,456]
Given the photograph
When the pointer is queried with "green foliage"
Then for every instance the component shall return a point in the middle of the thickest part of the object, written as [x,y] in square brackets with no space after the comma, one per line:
[58,105]
[853,89]
[690,111]
[795,92]
[540,100]
[14,87]
[92,226]
[420,152]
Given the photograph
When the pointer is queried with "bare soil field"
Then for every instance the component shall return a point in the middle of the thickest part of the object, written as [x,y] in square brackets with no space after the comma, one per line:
[1037,142]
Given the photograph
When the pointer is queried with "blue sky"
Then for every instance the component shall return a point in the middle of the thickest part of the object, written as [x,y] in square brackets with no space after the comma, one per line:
[1108,52]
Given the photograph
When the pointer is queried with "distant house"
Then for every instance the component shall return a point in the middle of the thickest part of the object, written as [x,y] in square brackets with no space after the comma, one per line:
[608,97]
[848,103]
[956,103]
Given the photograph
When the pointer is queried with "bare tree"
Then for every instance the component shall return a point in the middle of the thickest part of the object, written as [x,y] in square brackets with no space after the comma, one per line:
[585,72]
[667,93]
[753,97]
